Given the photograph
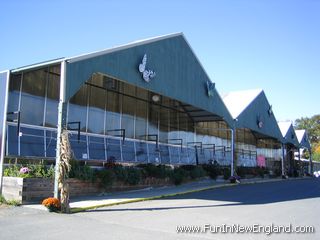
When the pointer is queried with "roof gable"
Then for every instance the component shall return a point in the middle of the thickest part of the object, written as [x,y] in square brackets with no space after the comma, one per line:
[288,133]
[238,101]
[179,74]
[303,139]
[253,111]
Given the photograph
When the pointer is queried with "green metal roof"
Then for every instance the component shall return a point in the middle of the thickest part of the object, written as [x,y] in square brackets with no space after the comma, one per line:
[179,74]
[251,109]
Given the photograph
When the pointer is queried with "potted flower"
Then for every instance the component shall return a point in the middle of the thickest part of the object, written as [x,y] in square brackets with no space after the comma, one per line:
[234,179]
[52,204]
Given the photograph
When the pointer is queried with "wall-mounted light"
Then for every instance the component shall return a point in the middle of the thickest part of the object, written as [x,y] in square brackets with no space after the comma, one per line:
[156,98]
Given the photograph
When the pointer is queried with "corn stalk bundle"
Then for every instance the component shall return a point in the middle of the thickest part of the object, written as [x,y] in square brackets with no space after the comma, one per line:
[64,169]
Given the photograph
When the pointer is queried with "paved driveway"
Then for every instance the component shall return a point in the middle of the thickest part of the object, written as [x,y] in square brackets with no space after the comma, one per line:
[294,202]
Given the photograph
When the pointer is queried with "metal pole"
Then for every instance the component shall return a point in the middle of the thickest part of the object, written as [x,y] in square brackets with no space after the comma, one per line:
[310,163]
[282,160]
[4,125]
[59,127]
[232,155]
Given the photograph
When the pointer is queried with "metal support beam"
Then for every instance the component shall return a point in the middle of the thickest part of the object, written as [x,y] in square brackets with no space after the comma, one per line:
[16,120]
[180,140]
[122,133]
[4,100]
[282,160]
[156,140]
[310,163]
[232,152]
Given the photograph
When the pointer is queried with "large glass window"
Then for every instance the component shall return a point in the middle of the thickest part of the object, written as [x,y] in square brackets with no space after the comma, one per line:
[174,124]
[14,94]
[113,112]
[128,109]
[103,106]
[153,119]
[33,97]
[141,119]
[96,117]
[127,120]
[78,108]
[53,88]
[164,124]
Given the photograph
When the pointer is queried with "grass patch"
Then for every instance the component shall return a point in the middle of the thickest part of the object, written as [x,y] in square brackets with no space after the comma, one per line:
[9,202]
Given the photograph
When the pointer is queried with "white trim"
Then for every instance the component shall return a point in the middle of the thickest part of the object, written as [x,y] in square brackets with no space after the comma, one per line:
[24,125]
[122,47]
[3,136]
[19,109]
[38,65]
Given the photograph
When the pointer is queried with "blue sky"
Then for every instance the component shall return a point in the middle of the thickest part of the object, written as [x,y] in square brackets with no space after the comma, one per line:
[242,44]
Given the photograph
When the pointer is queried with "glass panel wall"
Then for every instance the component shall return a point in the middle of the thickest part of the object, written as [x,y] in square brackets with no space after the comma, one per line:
[52,96]
[97,105]
[112,105]
[78,108]
[157,128]
[128,111]
[33,97]
[14,94]
[35,94]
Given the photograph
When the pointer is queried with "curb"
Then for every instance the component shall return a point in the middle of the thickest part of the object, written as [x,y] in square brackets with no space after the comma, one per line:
[82,209]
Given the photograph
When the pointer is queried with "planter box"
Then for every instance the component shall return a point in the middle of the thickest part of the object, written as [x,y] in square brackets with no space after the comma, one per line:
[27,190]
[34,190]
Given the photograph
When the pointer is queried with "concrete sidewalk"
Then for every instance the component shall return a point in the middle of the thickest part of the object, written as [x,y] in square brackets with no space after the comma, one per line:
[79,204]
[92,202]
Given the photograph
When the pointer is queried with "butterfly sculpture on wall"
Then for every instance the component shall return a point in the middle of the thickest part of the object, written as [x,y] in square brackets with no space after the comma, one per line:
[146,74]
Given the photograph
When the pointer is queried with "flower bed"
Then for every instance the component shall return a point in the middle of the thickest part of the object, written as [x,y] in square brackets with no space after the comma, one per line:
[34,190]
[33,183]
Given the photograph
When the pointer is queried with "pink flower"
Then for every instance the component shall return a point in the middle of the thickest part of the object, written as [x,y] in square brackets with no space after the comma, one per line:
[24,170]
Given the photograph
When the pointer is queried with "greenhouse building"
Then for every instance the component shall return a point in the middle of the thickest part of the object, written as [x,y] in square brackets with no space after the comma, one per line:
[147,102]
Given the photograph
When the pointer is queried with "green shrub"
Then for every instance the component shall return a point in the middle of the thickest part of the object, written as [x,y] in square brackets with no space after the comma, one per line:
[41,171]
[13,202]
[242,171]
[179,175]
[277,172]
[107,177]
[188,167]
[155,171]
[134,176]
[121,173]
[226,173]
[85,173]
[260,172]
[197,172]
[2,199]
[211,170]
[12,171]
[9,202]
[35,171]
